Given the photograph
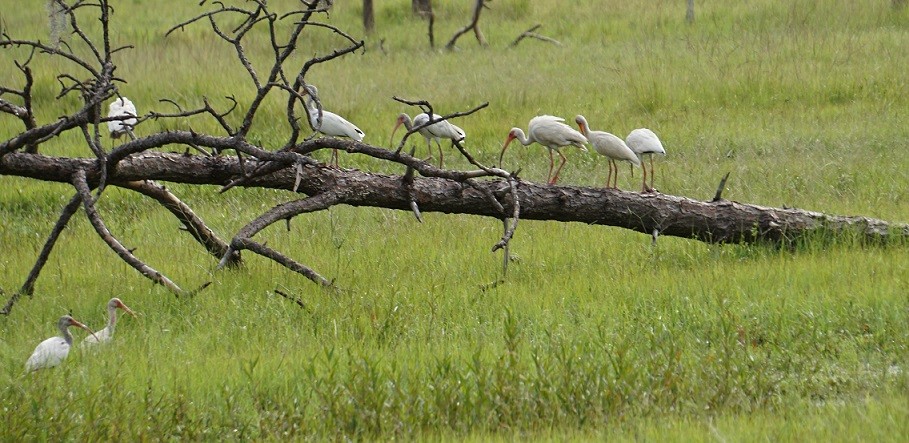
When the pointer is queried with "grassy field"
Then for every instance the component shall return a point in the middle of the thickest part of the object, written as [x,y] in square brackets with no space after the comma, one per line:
[595,334]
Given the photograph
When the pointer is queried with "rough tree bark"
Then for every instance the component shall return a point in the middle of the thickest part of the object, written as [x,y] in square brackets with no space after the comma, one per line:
[445,191]
[485,191]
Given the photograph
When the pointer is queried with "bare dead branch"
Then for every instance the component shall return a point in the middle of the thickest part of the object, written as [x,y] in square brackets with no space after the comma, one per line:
[280,259]
[531,34]
[206,109]
[81,185]
[719,189]
[9,108]
[473,25]
[242,240]
[194,225]
[431,20]
[29,286]
[515,216]
[293,299]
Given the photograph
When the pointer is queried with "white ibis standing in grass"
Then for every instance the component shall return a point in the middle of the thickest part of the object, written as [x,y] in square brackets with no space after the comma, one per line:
[119,109]
[105,335]
[644,142]
[609,145]
[436,131]
[550,132]
[52,351]
[332,125]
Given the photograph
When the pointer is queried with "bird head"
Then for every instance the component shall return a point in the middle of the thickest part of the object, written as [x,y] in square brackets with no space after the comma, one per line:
[117,303]
[403,119]
[67,321]
[582,124]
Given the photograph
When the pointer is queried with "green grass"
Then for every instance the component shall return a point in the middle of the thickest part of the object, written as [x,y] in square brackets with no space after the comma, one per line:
[596,333]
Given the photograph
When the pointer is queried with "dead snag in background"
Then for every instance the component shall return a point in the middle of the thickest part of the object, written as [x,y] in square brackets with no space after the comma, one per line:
[474,25]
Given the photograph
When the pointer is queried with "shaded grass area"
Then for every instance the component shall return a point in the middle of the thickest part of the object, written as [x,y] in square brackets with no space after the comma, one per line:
[595,333]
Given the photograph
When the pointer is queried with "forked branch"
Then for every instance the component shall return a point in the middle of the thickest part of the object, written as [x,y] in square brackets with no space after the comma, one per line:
[473,25]
[285,211]
[530,33]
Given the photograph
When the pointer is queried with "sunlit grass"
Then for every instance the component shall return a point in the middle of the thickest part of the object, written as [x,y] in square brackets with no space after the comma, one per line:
[595,332]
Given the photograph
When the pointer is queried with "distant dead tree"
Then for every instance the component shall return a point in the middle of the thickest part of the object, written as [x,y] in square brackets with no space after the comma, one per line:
[369,17]
[421,8]
[532,33]
[474,25]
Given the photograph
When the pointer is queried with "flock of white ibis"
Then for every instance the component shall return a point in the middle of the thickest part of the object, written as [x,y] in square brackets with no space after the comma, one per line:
[547,130]
[53,351]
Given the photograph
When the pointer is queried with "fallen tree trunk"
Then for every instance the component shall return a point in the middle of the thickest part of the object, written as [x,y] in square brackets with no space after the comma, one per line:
[713,222]
[485,191]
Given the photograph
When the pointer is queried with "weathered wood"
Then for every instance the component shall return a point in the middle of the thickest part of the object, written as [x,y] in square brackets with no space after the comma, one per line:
[80,182]
[485,191]
[714,222]
[192,223]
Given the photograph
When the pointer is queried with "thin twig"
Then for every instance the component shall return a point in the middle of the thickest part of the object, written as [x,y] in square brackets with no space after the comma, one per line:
[293,299]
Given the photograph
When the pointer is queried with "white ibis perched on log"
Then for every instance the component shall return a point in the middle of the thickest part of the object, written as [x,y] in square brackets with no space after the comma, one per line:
[105,335]
[52,351]
[120,108]
[436,131]
[330,124]
[550,132]
[609,145]
[644,142]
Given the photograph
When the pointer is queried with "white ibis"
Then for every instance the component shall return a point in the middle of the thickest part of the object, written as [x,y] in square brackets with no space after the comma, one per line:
[332,125]
[644,142]
[609,145]
[435,131]
[52,351]
[550,132]
[119,109]
[105,335]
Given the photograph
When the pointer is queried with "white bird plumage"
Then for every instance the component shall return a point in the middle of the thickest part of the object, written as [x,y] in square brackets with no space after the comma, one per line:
[644,142]
[436,131]
[550,132]
[53,351]
[119,108]
[332,125]
[105,335]
[610,146]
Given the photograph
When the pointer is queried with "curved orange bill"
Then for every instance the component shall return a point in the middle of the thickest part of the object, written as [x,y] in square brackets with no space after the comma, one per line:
[77,324]
[127,309]
[507,142]
[397,125]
